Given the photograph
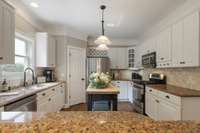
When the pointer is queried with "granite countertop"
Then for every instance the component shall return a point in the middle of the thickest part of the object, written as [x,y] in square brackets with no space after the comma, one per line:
[178,91]
[111,89]
[90,122]
[25,92]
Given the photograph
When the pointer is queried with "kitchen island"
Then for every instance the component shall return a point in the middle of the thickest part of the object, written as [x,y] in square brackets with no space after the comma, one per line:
[90,122]
[105,94]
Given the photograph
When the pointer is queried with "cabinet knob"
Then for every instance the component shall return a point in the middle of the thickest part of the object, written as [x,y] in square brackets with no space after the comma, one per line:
[182,62]
[157,101]
[49,99]
[167,97]
[53,89]
[44,94]
[1,58]
[150,90]
[162,58]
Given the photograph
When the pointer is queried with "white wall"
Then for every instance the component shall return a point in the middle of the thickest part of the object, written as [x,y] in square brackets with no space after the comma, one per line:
[61,60]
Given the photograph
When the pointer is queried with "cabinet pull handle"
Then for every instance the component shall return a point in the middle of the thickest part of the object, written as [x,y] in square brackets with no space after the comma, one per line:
[183,62]
[162,58]
[44,94]
[167,97]
[157,101]
[1,58]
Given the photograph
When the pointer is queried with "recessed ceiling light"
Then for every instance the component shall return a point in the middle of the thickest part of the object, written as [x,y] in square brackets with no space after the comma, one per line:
[33,4]
[111,25]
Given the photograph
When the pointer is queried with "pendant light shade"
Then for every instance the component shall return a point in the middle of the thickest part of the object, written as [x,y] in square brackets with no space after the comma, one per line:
[102,40]
[102,47]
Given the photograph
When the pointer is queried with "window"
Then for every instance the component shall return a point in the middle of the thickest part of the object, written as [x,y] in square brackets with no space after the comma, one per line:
[23,50]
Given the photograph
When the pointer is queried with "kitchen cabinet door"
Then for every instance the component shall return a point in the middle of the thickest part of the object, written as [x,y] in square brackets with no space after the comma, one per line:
[7,34]
[164,48]
[185,42]
[44,106]
[123,88]
[45,50]
[177,44]
[151,106]
[122,58]
[1,34]
[168,111]
[130,91]
[191,40]
[112,53]
[51,51]
[118,57]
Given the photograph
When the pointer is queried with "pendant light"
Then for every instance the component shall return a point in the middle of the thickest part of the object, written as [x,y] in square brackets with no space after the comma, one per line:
[102,40]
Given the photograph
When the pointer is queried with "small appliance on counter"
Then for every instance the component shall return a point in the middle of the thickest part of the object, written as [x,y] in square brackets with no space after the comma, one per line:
[41,79]
[139,86]
[50,75]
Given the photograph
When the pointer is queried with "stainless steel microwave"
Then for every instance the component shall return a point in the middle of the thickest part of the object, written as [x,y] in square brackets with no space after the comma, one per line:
[149,60]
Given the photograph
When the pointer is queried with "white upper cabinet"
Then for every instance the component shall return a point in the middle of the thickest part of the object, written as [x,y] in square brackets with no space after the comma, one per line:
[118,57]
[191,40]
[164,43]
[177,44]
[185,47]
[45,50]
[7,33]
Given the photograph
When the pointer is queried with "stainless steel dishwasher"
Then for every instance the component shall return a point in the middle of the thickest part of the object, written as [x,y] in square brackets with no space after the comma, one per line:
[25,104]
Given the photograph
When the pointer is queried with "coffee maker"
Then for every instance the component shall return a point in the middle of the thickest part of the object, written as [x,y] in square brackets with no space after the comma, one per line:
[49,74]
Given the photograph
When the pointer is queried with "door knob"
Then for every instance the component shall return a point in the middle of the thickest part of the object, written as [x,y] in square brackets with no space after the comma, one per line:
[82,79]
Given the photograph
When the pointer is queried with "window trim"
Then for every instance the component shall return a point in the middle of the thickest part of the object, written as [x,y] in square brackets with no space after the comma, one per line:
[30,49]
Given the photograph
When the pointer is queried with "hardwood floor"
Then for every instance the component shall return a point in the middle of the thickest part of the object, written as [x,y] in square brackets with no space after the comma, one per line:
[122,106]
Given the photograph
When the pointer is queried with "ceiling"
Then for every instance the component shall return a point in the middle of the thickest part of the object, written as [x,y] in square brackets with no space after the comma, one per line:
[131,18]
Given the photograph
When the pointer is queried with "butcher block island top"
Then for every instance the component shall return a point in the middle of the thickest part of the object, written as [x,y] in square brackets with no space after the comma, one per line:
[90,122]
[111,89]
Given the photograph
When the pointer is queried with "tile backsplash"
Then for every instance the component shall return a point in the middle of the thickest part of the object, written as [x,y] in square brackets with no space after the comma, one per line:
[183,77]
[12,73]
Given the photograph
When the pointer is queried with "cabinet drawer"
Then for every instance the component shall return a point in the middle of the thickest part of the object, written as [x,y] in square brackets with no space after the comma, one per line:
[169,97]
[45,94]
[151,91]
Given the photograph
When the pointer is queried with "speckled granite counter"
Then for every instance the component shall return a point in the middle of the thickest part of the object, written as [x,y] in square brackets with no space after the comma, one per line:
[25,92]
[178,91]
[90,122]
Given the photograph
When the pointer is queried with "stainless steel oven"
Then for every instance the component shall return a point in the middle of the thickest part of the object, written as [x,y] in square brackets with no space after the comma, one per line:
[138,97]
[139,90]
[149,60]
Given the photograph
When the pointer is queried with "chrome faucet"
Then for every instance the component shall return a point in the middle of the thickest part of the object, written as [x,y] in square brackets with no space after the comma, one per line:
[33,76]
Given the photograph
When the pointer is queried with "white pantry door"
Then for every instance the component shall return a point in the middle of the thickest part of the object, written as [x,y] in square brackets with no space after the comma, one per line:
[76,71]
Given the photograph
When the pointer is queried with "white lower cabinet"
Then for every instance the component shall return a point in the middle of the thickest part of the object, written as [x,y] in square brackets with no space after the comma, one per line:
[163,106]
[125,89]
[168,111]
[151,106]
[52,99]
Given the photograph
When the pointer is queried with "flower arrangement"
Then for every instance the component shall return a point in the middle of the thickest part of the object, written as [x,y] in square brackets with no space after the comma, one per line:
[99,80]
